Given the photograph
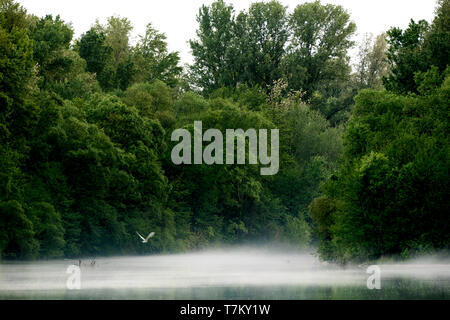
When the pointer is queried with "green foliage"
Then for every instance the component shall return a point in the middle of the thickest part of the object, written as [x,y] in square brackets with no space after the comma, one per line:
[117,31]
[51,38]
[253,98]
[124,74]
[85,135]
[154,61]
[48,229]
[437,42]
[390,194]
[149,98]
[406,56]
[262,34]
[16,56]
[298,231]
[13,15]
[372,65]
[190,105]
[256,48]
[212,51]
[16,240]
[97,54]
[417,49]
[320,40]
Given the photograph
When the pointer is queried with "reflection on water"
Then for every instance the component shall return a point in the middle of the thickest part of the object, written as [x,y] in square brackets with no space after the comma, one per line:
[223,274]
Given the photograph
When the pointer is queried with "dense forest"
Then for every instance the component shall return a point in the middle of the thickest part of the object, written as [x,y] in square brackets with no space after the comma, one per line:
[85,134]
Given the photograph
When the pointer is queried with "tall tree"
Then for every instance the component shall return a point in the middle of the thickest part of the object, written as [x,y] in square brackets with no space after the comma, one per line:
[98,56]
[372,63]
[261,34]
[117,31]
[417,49]
[388,196]
[51,38]
[317,59]
[437,42]
[211,50]
[17,117]
[406,56]
[16,71]
[243,49]
[153,59]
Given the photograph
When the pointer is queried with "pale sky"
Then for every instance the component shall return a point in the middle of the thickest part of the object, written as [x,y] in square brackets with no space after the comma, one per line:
[176,18]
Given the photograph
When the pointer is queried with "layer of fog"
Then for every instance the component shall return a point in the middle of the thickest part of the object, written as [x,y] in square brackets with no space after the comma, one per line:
[244,266]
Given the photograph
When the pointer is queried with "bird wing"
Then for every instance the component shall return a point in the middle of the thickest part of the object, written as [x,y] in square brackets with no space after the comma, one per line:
[150,235]
[140,236]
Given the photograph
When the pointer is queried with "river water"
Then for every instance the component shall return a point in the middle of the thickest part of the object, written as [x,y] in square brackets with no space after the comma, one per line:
[237,273]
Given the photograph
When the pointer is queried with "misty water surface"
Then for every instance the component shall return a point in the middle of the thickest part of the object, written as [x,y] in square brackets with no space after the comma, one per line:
[240,273]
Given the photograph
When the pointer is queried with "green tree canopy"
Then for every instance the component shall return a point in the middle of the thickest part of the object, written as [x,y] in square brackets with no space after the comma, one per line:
[153,59]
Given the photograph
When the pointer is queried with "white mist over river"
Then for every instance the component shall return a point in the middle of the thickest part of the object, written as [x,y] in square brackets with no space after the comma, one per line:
[238,273]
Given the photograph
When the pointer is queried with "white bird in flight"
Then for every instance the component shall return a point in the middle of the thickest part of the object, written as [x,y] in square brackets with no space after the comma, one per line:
[145,240]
